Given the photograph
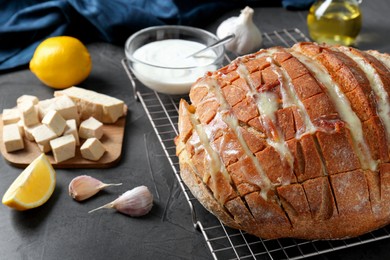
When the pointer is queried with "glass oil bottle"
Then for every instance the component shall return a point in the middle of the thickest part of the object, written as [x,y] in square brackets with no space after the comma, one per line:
[335,21]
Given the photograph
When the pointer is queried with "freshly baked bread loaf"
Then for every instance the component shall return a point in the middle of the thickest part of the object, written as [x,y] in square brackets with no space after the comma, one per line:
[292,142]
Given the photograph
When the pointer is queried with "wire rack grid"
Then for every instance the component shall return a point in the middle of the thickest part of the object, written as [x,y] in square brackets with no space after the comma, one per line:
[222,241]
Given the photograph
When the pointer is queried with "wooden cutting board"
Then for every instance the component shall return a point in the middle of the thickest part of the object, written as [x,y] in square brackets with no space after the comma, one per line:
[112,140]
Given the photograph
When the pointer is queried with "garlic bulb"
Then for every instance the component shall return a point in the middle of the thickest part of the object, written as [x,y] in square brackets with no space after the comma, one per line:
[136,202]
[248,36]
[84,186]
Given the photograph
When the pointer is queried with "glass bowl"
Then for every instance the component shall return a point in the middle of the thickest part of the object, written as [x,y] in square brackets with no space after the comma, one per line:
[166,68]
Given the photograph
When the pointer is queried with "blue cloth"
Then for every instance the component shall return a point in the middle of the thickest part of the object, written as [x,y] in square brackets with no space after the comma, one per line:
[297,4]
[26,23]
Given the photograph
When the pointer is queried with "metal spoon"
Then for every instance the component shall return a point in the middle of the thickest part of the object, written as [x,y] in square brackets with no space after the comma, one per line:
[216,44]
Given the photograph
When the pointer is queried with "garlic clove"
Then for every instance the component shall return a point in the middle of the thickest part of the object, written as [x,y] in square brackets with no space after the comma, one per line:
[248,36]
[84,186]
[135,203]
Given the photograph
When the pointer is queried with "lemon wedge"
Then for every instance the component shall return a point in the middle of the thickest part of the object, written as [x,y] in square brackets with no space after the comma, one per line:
[33,187]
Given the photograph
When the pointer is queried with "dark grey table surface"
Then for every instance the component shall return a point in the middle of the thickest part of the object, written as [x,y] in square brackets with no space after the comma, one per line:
[62,228]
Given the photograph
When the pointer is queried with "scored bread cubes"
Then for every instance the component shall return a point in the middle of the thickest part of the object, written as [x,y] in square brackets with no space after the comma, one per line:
[92,149]
[63,147]
[10,116]
[291,142]
[55,122]
[12,138]
[42,136]
[91,128]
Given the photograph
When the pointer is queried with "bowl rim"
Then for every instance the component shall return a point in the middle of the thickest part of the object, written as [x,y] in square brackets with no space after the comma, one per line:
[164,27]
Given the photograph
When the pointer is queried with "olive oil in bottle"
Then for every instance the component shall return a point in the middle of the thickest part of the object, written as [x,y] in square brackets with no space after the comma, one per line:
[334,21]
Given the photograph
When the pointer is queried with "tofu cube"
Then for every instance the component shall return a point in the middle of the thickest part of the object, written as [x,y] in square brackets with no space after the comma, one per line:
[10,116]
[44,148]
[45,106]
[29,113]
[25,98]
[12,139]
[63,105]
[63,147]
[104,108]
[67,108]
[28,130]
[21,127]
[42,135]
[91,128]
[92,149]
[71,128]
[55,122]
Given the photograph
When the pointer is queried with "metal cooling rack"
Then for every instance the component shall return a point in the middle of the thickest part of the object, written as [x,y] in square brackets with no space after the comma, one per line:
[224,242]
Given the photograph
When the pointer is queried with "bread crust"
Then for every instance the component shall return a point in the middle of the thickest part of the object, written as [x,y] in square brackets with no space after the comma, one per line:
[284,140]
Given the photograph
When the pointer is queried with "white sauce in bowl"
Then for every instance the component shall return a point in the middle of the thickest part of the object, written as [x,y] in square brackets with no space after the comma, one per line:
[174,73]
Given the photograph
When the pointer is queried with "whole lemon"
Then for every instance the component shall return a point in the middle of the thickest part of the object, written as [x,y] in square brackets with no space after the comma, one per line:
[61,62]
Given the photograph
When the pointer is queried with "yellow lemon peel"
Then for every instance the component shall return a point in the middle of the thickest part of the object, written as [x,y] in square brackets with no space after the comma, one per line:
[61,62]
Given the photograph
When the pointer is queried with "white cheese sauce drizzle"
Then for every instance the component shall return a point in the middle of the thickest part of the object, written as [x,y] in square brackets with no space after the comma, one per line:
[343,107]
[263,181]
[215,165]
[384,58]
[267,104]
[290,98]
[382,98]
